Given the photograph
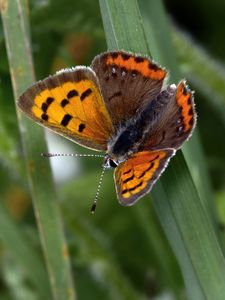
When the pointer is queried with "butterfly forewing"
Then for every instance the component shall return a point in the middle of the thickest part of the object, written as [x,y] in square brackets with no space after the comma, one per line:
[70,103]
[127,83]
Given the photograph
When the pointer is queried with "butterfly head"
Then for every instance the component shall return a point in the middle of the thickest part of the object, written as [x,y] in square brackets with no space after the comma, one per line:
[109,162]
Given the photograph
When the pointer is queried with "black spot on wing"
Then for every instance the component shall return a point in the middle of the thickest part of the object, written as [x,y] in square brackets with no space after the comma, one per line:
[189,100]
[128,179]
[64,102]
[153,66]
[85,94]
[139,59]
[49,100]
[185,91]
[125,56]
[157,156]
[133,188]
[190,112]
[127,172]
[81,127]
[145,171]
[65,120]
[44,107]
[114,55]
[46,104]
[44,117]
[191,122]
[72,93]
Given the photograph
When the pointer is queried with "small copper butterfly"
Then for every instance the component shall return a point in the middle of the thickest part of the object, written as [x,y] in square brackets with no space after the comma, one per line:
[117,105]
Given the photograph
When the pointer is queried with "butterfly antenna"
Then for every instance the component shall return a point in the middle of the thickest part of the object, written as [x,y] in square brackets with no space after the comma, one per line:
[70,154]
[93,208]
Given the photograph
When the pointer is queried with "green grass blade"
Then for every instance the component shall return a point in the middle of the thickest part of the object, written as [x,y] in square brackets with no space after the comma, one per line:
[96,248]
[117,38]
[181,212]
[193,66]
[158,35]
[169,272]
[94,253]
[39,173]
[159,40]
[198,67]
[24,253]
[155,18]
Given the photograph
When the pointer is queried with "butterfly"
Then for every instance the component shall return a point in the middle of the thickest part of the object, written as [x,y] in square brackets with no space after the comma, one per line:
[118,105]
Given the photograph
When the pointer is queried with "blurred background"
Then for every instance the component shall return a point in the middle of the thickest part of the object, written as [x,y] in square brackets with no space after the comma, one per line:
[118,244]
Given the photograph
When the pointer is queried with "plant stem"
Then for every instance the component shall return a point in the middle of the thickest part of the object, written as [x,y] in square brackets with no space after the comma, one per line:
[15,24]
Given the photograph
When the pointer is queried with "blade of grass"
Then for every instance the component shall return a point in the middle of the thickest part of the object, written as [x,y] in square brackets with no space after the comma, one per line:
[192,59]
[95,247]
[15,280]
[155,18]
[39,173]
[198,67]
[95,253]
[24,253]
[169,272]
[159,40]
[176,199]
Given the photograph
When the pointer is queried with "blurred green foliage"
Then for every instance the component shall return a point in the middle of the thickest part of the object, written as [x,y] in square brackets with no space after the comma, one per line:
[120,253]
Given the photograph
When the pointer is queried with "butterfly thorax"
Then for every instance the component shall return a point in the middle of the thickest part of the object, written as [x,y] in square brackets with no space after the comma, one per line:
[127,141]
[130,138]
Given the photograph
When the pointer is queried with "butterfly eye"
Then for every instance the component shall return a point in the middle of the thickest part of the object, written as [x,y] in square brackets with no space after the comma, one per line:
[112,163]
[109,163]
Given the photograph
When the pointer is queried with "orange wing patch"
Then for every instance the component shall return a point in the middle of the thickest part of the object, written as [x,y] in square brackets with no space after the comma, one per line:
[136,176]
[136,63]
[185,102]
[70,103]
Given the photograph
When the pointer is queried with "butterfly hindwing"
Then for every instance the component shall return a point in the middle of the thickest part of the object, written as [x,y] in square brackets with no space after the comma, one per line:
[70,103]
[127,82]
[173,120]
[167,121]
[136,176]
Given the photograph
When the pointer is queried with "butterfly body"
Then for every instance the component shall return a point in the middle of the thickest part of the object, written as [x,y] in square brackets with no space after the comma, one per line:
[131,137]
[117,106]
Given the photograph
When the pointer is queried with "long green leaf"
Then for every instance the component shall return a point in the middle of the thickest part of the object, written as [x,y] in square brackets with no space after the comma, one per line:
[155,18]
[176,199]
[39,173]
[25,254]
[198,67]
[99,258]
[159,40]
